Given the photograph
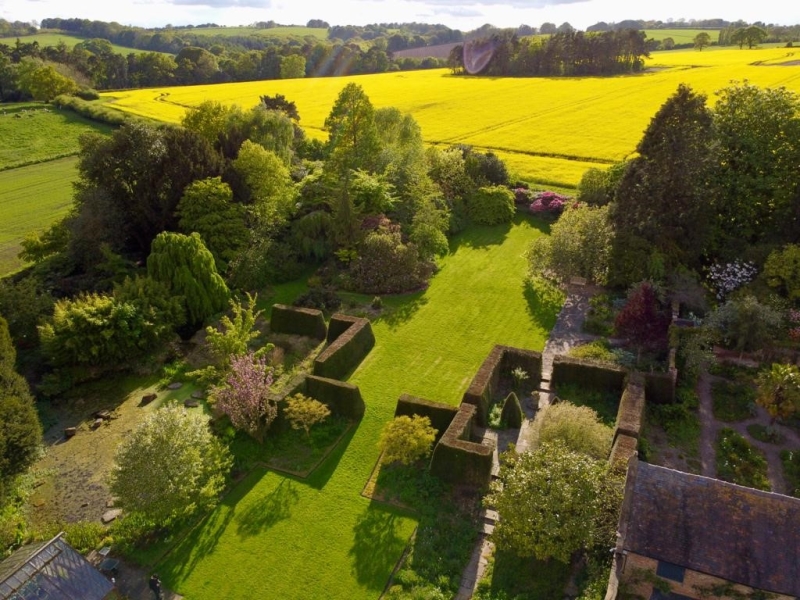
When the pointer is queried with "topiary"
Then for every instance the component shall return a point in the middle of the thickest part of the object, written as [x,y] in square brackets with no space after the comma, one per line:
[512,414]
[491,205]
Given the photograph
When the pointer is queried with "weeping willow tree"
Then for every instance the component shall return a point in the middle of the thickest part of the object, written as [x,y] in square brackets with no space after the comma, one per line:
[186,267]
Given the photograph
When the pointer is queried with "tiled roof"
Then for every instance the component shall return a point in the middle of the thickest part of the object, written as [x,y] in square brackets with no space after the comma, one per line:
[736,533]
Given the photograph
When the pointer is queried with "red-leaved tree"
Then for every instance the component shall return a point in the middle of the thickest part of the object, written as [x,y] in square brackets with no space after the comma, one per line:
[244,396]
[642,320]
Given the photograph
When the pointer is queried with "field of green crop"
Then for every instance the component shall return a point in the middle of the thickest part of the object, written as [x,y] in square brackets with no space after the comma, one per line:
[319,33]
[680,36]
[280,537]
[33,132]
[571,122]
[54,37]
[31,198]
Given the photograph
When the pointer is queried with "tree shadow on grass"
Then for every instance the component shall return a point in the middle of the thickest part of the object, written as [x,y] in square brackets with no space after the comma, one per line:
[202,540]
[320,476]
[544,302]
[264,513]
[399,309]
[480,236]
[377,546]
[514,577]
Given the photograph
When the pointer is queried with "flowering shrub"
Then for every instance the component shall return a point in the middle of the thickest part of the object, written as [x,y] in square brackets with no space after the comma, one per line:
[548,202]
[245,396]
[730,277]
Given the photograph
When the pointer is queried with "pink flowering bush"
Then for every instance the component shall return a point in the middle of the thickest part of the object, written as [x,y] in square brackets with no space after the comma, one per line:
[549,203]
[245,395]
[522,195]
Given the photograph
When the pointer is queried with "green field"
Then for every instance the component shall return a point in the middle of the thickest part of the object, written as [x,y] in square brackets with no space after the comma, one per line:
[319,33]
[680,36]
[53,38]
[33,132]
[31,198]
[279,537]
[551,129]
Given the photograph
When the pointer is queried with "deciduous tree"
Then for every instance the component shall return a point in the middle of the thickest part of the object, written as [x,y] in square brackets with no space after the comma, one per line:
[303,412]
[170,466]
[779,390]
[406,439]
[554,502]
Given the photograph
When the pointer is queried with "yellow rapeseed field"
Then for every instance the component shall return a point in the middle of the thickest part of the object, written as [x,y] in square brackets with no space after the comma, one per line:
[550,129]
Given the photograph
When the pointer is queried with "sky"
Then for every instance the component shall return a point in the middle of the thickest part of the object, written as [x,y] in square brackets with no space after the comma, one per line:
[457,14]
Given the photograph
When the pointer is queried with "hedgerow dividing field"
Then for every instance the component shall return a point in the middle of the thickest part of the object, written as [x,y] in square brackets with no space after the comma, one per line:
[567,120]
[680,36]
[53,38]
[31,198]
[279,537]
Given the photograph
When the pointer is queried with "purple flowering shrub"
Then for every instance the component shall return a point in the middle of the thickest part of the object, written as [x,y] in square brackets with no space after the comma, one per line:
[549,203]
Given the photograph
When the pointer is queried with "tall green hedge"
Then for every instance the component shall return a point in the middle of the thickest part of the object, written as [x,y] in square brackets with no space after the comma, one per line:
[512,414]
[567,369]
[441,415]
[298,321]
[458,460]
[660,387]
[347,350]
[342,398]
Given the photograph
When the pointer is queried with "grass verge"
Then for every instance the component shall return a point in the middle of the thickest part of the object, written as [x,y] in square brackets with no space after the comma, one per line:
[733,401]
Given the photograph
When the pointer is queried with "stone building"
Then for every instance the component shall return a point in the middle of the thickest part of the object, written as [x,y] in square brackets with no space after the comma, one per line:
[687,537]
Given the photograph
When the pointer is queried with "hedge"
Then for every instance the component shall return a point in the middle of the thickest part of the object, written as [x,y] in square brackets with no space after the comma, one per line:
[501,360]
[342,398]
[588,374]
[92,110]
[480,391]
[458,460]
[298,321]
[512,414]
[348,346]
[441,415]
[623,449]
[631,408]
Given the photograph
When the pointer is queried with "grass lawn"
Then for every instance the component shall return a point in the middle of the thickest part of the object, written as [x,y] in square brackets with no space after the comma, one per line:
[41,133]
[335,543]
[31,198]
[509,576]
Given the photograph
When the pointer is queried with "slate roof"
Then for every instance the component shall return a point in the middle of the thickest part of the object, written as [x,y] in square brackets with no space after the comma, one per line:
[736,533]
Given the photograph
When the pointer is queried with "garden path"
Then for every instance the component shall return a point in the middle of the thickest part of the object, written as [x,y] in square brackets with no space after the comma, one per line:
[566,334]
[710,428]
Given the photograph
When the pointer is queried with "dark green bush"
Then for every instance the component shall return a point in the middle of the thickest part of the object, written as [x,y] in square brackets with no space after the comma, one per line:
[512,414]
[321,298]
[385,265]
[87,93]
[492,205]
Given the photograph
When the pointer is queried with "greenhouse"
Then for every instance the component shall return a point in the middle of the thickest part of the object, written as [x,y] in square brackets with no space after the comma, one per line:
[51,570]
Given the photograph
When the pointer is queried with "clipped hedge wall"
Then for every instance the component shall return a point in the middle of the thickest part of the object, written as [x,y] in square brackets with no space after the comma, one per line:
[660,387]
[456,459]
[480,391]
[347,348]
[630,415]
[585,373]
[298,321]
[623,449]
[501,360]
[441,415]
[529,360]
[342,398]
